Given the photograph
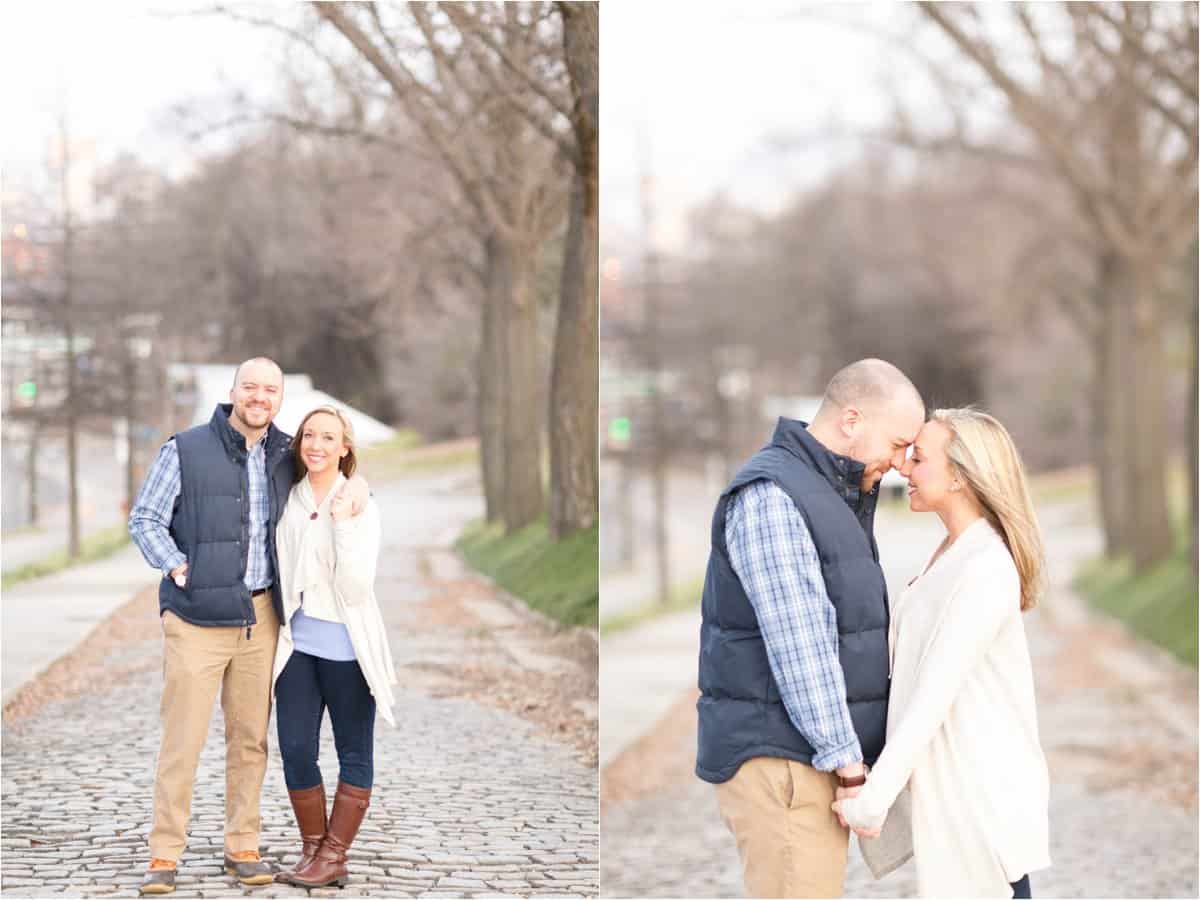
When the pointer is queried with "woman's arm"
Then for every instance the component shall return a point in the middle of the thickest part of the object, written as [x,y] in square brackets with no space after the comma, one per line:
[973,617]
[356,547]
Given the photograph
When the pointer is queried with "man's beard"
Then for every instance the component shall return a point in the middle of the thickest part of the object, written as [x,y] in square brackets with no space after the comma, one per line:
[242,416]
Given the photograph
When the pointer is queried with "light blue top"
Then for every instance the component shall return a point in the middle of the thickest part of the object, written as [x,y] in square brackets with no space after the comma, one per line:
[316,637]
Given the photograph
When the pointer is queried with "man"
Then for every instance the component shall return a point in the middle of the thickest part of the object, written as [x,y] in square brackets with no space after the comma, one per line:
[206,518]
[793,645]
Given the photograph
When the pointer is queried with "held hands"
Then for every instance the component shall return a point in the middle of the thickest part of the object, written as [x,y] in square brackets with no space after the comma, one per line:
[846,793]
[837,808]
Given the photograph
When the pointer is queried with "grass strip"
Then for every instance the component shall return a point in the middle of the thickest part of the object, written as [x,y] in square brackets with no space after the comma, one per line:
[684,595]
[1159,605]
[405,456]
[558,578]
[100,545]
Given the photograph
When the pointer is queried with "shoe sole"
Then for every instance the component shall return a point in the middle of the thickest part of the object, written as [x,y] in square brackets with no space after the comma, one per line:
[337,883]
[267,878]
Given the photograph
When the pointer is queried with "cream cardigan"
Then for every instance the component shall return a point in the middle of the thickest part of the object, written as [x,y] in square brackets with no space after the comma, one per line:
[962,730]
[333,564]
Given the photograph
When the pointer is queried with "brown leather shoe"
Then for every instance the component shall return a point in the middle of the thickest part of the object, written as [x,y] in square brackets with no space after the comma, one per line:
[329,865]
[159,878]
[309,807]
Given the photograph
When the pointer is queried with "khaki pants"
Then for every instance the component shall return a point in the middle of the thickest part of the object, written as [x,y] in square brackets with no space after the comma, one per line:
[196,662]
[790,841]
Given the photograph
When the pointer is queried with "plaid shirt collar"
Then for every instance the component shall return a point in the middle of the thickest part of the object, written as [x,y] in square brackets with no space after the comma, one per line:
[274,441]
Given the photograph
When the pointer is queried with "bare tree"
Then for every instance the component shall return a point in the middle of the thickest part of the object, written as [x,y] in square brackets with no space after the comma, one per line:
[499,164]
[1123,140]
[547,103]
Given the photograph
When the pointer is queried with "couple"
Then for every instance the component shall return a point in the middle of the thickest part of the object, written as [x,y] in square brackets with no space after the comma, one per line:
[804,670]
[268,555]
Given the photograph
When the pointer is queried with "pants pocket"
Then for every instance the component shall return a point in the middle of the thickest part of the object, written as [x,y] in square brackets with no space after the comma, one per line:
[805,785]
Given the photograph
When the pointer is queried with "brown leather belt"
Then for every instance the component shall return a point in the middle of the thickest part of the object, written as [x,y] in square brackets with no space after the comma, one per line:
[259,592]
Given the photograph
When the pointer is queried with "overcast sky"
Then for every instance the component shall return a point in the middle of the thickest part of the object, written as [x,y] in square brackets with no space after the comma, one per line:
[708,83]
[120,66]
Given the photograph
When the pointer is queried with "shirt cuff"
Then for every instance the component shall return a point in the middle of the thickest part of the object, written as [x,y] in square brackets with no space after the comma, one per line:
[173,562]
[836,757]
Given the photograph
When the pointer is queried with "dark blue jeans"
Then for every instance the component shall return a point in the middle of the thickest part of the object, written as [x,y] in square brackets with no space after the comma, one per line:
[1021,889]
[306,687]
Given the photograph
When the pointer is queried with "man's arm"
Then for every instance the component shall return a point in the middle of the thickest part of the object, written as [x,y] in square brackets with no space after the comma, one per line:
[773,554]
[150,518]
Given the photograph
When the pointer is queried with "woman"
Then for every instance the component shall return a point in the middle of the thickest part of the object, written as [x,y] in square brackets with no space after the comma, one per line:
[333,650]
[962,730]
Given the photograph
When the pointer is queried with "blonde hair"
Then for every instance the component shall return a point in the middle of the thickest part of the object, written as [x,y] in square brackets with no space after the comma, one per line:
[347,464]
[983,454]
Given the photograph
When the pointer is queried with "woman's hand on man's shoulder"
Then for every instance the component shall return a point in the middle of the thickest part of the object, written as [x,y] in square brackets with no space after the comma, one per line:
[354,494]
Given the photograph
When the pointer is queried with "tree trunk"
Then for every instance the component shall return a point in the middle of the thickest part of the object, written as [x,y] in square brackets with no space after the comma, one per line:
[32,468]
[575,368]
[131,482]
[71,403]
[575,372]
[1150,524]
[1193,416]
[72,422]
[491,391]
[1110,406]
[512,273]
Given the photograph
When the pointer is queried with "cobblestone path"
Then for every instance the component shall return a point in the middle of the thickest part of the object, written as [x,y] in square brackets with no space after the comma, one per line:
[1118,722]
[470,799]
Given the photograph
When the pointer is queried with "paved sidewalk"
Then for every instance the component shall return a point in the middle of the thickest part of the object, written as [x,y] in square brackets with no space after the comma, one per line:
[101,496]
[1118,722]
[46,618]
[689,497]
[470,799]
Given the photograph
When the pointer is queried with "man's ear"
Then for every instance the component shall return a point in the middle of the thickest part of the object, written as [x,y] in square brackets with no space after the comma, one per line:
[851,418]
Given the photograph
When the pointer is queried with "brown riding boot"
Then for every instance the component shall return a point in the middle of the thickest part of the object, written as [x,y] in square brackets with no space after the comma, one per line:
[309,807]
[329,865]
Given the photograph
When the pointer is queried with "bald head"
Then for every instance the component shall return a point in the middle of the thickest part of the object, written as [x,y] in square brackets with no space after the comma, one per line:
[256,396]
[870,384]
[258,363]
[871,412]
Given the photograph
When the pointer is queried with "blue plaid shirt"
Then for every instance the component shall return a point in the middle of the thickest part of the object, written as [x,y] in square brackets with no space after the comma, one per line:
[774,556]
[150,518]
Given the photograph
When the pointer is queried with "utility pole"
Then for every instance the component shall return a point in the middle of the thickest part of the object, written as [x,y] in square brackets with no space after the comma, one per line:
[68,326]
[652,359]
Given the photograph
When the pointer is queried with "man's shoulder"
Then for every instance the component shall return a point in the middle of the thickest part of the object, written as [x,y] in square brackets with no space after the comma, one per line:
[758,492]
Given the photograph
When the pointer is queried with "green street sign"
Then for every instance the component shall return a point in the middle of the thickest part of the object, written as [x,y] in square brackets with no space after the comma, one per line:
[27,390]
[619,430]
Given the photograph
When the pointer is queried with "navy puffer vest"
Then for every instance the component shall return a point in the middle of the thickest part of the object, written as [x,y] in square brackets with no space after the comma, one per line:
[741,715]
[211,525]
